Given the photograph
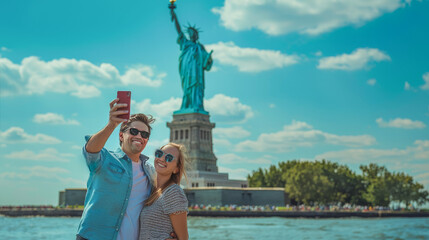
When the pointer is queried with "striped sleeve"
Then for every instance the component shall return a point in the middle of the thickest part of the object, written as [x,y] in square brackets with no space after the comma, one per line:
[174,200]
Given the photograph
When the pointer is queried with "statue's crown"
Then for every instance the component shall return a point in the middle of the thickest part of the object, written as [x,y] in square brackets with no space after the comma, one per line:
[193,28]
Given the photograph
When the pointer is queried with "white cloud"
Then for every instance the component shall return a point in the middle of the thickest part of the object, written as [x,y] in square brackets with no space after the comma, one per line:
[423,178]
[10,78]
[236,174]
[362,155]
[5,49]
[18,135]
[228,109]
[318,53]
[78,78]
[400,123]
[224,108]
[358,59]
[35,171]
[351,141]
[426,79]
[419,151]
[214,69]
[300,134]
[41,172]
[371,82]
[407,86]
[72,182]
[53,118]
[272,105]
[142,76]
[313,17]
[250,59]
[218,142]
[86,91]
[231,158]
[413,159]
[232,132]
[422,149]
[158,110]
[157,143]
[47,155]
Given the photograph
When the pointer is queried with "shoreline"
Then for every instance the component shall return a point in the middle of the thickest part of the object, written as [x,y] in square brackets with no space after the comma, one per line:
[231,214]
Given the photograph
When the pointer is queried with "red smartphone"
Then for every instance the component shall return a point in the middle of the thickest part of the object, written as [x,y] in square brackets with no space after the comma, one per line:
[125,97]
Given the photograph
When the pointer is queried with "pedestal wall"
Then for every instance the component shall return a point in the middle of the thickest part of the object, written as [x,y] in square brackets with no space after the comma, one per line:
[194,130]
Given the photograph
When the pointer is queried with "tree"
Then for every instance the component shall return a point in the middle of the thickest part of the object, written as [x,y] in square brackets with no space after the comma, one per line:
[273,177]
[378,185]
[421,196]
[257,179]
[405,190]
[327,182]
[305,182]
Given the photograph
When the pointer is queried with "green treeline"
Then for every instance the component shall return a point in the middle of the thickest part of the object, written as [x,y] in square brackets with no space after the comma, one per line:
[325,182]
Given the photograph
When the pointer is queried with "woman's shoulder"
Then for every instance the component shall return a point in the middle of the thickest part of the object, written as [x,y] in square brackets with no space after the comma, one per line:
[173,190]
[174,200]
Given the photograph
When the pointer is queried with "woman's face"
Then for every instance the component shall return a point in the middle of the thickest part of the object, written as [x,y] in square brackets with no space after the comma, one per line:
[163,167]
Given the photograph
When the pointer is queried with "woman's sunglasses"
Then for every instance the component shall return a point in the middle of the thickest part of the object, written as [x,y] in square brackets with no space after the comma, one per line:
[168,157]
[135,131]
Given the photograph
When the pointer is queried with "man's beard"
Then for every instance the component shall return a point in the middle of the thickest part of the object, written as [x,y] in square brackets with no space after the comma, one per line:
[136,149]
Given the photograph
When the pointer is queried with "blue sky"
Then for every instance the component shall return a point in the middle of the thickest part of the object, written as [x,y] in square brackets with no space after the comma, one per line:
[346,81]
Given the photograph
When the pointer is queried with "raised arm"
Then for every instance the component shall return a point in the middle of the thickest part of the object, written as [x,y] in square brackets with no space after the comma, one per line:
[98,140]
[176,21]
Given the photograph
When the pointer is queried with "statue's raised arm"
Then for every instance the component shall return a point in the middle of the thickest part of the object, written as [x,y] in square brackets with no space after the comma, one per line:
[174,18]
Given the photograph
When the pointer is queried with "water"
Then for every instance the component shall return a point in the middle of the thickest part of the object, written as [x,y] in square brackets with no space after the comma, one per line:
[241,228]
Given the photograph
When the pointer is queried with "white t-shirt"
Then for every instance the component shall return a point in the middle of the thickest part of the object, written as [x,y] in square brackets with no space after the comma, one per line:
[130,224]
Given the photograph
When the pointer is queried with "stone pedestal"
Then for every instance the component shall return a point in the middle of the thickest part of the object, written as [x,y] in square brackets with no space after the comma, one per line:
[194,130]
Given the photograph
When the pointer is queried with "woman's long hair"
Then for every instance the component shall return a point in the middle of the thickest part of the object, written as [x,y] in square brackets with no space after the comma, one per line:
[175,177]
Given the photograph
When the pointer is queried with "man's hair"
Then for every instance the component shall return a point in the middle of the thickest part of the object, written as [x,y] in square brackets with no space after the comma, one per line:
[139,117]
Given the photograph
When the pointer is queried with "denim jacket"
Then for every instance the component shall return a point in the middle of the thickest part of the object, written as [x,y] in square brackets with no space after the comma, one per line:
[108,190]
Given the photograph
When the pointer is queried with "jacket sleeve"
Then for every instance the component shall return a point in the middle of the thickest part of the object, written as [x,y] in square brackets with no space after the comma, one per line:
[93,160]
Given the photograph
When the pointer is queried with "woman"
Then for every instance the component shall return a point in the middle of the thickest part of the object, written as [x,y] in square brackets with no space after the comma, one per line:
[166,208]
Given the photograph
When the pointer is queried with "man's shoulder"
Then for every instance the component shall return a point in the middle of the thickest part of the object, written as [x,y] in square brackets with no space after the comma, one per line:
[149,167]
[143,157]
[105,153]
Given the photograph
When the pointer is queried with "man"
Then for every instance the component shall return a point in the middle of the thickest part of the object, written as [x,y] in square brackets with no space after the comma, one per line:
[119,181]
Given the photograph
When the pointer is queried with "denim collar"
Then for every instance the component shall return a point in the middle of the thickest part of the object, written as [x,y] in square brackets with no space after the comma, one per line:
[120,154]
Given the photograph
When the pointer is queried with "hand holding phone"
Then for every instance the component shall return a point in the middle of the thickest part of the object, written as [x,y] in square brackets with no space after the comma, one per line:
[124,97]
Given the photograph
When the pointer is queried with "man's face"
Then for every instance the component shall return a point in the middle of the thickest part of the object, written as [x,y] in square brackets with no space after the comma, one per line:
[134,144]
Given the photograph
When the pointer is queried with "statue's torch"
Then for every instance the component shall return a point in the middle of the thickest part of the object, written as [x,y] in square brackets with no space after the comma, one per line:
[172,6]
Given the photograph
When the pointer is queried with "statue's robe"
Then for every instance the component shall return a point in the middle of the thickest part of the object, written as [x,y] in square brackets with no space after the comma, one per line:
[193,60]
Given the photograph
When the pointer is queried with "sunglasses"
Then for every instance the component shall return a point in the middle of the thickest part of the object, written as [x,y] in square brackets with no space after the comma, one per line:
[168,157]
[135,131]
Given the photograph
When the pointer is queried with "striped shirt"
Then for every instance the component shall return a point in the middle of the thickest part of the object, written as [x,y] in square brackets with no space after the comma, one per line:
[155,221]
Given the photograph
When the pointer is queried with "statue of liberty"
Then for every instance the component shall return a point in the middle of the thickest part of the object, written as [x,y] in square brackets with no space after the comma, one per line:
[193,60]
